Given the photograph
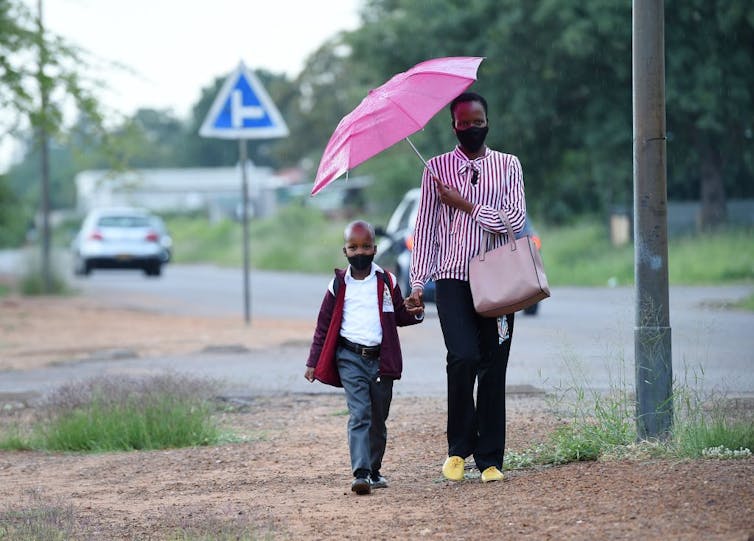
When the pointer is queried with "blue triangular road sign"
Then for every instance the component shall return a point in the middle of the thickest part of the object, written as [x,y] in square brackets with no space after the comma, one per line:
[243,110]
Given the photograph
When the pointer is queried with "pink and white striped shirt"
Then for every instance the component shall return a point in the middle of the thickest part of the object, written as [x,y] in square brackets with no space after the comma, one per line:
[445,239]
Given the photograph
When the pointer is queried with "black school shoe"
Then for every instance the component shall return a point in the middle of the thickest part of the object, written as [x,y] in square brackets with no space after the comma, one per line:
[361,486]
[377,480]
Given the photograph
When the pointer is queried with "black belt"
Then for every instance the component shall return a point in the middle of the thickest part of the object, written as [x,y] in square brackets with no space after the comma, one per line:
[368,352]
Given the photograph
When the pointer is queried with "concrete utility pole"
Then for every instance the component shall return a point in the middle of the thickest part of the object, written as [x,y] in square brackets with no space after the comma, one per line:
[45,154]
[654,368]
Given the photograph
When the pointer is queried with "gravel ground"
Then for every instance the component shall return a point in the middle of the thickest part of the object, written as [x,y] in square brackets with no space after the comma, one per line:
[290,478]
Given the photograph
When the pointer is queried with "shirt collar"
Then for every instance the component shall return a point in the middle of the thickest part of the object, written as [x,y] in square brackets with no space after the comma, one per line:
[467,164]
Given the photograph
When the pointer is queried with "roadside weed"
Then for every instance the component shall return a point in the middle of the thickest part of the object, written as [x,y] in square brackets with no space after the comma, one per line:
[601,425]
[39,519]
[112,414]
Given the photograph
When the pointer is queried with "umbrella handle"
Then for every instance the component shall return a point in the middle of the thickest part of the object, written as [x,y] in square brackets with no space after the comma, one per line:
[434,174]
[429,167]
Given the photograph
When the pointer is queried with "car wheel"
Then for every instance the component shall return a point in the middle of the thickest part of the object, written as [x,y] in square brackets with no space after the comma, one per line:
[153,269]
[82,267]
[531,310]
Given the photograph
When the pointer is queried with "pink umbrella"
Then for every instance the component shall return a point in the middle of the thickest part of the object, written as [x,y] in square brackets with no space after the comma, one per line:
[391,112]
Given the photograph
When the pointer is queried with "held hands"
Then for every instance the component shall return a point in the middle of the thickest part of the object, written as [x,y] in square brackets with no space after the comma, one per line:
[415,302]
[452,197]
[309,374]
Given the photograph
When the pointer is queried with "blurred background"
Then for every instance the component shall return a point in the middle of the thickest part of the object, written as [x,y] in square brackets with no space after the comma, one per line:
[557,77]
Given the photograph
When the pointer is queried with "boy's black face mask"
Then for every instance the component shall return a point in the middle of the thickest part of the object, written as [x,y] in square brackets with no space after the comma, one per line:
[472,139]
[361,262]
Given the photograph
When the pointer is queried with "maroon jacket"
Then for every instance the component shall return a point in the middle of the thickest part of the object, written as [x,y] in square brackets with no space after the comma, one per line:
[325,341]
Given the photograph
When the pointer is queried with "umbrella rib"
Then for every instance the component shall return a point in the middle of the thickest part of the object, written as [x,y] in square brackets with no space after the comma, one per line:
[398,105]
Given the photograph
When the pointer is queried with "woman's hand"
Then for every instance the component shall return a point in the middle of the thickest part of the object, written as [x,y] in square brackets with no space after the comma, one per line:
[452,197]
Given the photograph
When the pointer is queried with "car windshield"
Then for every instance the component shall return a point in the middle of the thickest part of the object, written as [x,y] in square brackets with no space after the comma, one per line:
[123,221]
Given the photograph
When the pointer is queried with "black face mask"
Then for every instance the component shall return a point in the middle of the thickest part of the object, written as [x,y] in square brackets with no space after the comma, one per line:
[361,262]
[472,139]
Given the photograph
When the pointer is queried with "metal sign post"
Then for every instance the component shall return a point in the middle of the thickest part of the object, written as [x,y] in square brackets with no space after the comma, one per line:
[654,366]
[243,110]
[245,221]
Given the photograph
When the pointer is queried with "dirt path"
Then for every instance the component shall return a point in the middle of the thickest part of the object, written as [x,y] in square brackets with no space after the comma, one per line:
[290,480]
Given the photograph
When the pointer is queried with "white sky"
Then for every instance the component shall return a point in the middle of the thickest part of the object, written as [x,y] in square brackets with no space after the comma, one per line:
[176,47]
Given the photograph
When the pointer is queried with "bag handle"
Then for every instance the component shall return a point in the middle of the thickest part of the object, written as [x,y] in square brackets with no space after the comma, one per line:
[508,227]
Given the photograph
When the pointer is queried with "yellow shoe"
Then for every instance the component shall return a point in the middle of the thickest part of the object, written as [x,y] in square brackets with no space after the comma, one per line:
[453,468]
[491,474]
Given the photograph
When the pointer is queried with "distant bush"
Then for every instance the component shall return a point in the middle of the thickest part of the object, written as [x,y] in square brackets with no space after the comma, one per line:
[32,281]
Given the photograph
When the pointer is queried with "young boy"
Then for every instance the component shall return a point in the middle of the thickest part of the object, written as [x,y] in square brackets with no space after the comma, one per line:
[355,346]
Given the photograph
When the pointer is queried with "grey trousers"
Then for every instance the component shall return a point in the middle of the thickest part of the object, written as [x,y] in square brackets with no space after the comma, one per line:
[368,398]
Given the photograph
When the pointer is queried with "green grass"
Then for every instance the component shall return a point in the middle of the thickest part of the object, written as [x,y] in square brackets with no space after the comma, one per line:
[582,255]
[303,239]
[32,281]
[596,426]
[104,414]
[296,239]
[721,257]
[747,303]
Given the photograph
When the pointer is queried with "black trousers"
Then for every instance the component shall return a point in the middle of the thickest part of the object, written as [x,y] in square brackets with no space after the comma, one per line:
[474,355]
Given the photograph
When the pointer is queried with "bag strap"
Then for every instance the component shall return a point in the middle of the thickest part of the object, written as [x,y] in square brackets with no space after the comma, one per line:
[508,227]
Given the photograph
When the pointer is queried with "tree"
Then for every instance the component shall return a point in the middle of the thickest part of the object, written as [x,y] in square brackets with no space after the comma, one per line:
[39,74]
[710,101]
[557,76]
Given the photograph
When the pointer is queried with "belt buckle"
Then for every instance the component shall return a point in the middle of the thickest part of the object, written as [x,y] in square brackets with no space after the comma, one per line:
[364,353]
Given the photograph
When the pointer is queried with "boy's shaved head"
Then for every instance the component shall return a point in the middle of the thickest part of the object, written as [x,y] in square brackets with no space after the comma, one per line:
[360,225]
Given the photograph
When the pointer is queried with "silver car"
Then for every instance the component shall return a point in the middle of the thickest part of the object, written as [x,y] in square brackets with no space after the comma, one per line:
[119,238]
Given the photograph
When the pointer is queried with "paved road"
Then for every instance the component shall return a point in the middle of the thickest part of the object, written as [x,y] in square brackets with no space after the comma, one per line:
[581,335]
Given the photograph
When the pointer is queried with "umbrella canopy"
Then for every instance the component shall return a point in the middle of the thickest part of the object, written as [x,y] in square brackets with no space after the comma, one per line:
[391,112]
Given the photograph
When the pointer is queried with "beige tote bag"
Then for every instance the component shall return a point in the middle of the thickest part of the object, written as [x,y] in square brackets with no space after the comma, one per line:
[508,278]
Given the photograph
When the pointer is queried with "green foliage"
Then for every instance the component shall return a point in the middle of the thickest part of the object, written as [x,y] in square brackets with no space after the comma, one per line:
[125,414]
[582,255]
[596,426]
[303,239]
[14,440]
[298,239]
[162,423]
[196,240]
[692,439]
[38,68]
[557,76]
[25,177]
[33,282]
[708,422]
[395,172]
[747,303]
[13,219]
[717,257]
